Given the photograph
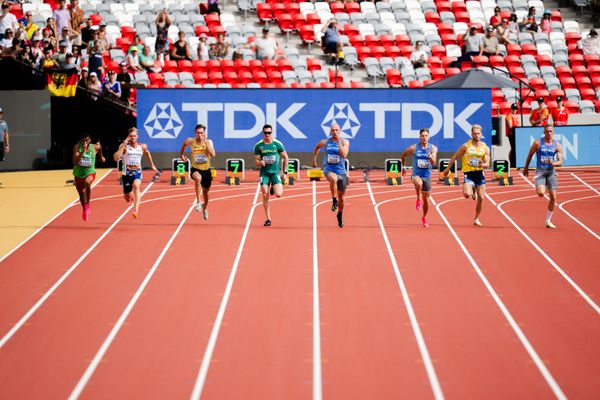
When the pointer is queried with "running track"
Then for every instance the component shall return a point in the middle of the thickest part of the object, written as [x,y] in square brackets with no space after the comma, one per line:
[172,306]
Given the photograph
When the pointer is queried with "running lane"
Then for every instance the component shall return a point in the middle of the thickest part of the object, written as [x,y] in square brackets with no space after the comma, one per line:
[157,353]
[47,356]
[32,269]
[368,350]
[562,328]
[476,353]
[264,347]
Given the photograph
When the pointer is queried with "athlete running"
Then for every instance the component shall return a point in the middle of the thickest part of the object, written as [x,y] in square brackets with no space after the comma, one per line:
[84,170]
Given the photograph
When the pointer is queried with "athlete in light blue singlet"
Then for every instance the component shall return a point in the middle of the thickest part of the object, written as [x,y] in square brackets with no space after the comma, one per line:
[424,157]
[548,156]
[334,167]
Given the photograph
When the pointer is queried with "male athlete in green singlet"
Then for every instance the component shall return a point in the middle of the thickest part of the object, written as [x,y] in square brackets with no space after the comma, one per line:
[84,170]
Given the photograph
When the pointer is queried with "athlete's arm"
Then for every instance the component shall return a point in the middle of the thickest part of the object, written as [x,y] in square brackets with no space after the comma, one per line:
[559,159]
[532,150]
[147,153]
[184,146]
[433,155]
[316,151]
[98,148]
[257,161]
[486,158]
[76,154]
[210,147]
[407,152]
[344,148]
[122,149]
[286,159]
[461,150]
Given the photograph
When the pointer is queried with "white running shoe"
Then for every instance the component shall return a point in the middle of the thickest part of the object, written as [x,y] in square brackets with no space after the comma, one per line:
[205,214]
[550,225]
[477,222]
[198,207]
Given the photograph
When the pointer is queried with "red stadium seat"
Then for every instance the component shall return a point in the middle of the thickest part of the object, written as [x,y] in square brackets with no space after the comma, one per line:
[238,85]
[572,37]
[270,65]
[201,29]
[185,66]
[286,23]
[387,40]
[576,59]
[352,7]
[212,20]
[199,66]
[371,40]
[563,71]
[452,71]
[480,60]
[538,83]
[156,78]
[567,82]
[299,21]
[497,61]
[357,84]
[462,16]
[530,49]
[544,60]
[363,52]
[260,76]
[313,19]
[274,76]
[327,85]
[215,77]
[278,9]
[378,51]
[402,40]
[448,38]
[297,85]
[574,48]
[264,12]
[458,6]
[444,28]
[446,61]
[230,77]
[407,51]
[434,62]
[579,71]
[213,66]
[572,106]
[415,84]
[557,92]
[284,65]
[555,16]
[337,7]
[592,60]
[313,64]
[307,34]
[394,78]
[443,6]
[350,30]
[356,40]
[514,49]
[438,73]
[587,93]
[128,33]
[332,76]
[267,85]
[245,76]
[583,82]
[312,85]
[432,17]
[255,65]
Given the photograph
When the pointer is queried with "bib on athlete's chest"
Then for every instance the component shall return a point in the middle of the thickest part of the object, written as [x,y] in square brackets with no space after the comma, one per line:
[333,159]
[423,163]
[546,159]
[475,162]
[200,159]
[85,161]
[270,159]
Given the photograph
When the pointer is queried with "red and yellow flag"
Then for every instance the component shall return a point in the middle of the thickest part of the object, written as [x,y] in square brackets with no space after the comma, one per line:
[62,84]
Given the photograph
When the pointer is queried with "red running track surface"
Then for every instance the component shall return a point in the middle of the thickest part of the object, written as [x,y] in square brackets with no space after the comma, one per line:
[172,306]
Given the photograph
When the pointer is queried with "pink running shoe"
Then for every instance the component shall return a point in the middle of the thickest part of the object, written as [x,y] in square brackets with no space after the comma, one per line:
[88,209]
[418,205]
[84,215]
[425,223]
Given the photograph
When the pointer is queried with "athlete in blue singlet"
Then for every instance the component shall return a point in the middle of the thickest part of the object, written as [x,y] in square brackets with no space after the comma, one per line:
[424,157]
[131,152]
[546,150]
[334,168]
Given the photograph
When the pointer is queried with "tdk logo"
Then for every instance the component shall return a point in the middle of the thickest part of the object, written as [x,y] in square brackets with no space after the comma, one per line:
[343,115]
[245,120]
[163,122]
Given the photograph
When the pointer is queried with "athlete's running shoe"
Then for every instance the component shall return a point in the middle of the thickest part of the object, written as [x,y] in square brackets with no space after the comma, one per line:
[134,215]
[205,215]
[340,221]
[334,204]
[88,209]
[550,225]
[474,195]
[271,191]
[425,223]
[267,223]
[84,215]
[477,222]
[418,205]
[198,207]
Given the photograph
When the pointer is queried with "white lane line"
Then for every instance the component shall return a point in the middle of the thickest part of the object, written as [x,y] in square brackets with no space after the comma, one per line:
[50,291]
[83,381]
[507,315]
[50,221]
[546,256]
[317,374]
[212,341]
[585,183]
[584,226]
[431,374]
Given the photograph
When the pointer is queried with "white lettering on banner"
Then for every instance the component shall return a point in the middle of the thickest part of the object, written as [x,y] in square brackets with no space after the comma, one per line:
[448,121]
[461,119]
[229,120]
[284,120]
[202,110]
[568,147]
[379,109]
[409,108]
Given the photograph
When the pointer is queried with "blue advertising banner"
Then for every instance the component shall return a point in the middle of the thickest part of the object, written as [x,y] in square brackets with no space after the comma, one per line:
[374,120]
[580,143]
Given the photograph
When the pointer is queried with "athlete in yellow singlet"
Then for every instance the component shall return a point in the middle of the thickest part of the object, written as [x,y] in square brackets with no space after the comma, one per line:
[203,151]
[475,157]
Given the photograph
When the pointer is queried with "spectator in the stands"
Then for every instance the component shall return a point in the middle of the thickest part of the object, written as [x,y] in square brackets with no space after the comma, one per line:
[222,47]
[489,43]
[212,7]
[28,25]
[94,85]
[47,61]
[107,40]
[77,18]
[529,23]
[48,37]
[69,62]
[591,43]
[8,20]
[181,49]
[76,51]
[7,41]
[95,60]
[50,28]
[213,53]
[36,48]
[163,21]
[95,39]
[137,43]
[112,88]
[513,24]
[560,115]
[265,46]
[133,61]
[147,61]
[496,19]
[62,17]
[503,32]
[472,47]
[419,56]
[202,48]
[26,56]
[125,78]
[84,77]
[539,116]
[332,44]
[61,55]
[546,23]
[68,35]
[86,33]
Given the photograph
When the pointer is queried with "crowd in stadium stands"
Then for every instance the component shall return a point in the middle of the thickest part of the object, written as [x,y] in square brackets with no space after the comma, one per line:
[185,43]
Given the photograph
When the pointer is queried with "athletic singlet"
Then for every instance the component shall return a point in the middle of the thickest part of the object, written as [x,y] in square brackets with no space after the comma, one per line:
[472,160]
[200,156]
[87,163]
[421,162]
[544,154]
[132,160]
[332,153]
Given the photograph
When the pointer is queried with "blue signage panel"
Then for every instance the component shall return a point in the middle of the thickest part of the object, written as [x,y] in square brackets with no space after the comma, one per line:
[580,144]
[374,120]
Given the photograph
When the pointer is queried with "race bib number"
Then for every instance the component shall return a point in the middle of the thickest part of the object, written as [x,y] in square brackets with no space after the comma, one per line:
[423,163]
[475,162]
[85,162]
[333,159]
[269,160]
[546,159]
[200,159]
